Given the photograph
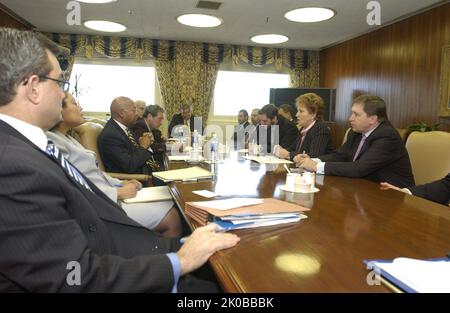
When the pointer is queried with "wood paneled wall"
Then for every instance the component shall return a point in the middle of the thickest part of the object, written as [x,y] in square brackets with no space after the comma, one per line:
[400,63]
[7,19]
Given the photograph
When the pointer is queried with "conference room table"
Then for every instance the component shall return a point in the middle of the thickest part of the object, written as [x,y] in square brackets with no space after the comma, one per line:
[350,220]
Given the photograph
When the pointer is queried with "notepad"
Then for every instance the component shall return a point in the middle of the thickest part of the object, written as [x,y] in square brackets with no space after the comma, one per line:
[414,275]
[190,173]
[151,194]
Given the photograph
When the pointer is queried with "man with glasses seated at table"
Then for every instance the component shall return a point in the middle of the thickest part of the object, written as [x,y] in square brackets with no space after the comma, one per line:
[53,219]
[373,150]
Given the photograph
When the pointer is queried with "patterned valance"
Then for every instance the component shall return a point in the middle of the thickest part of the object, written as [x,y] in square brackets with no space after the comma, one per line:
[116,47]
[165,50]
[257,56]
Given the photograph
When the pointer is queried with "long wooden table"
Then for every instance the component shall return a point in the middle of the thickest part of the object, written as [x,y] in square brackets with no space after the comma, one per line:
[350,220]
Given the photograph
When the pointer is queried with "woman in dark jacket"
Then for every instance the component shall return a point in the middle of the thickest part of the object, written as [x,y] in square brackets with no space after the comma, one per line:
[314,135]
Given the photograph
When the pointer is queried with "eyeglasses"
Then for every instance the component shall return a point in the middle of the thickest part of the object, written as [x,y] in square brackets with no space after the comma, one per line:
[64,85]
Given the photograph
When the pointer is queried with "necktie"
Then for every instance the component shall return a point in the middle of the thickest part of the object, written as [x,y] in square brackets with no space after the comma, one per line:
[70,170]
[152,163]
[363,139]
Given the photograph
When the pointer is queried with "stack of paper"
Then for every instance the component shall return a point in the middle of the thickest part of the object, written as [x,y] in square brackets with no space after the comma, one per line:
[236,213]
[268,159]
[151,194]
[413,275]
[190,173]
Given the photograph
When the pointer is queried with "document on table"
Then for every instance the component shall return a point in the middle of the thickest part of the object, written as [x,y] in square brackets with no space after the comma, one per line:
[228,204]
[151,194]
[189,173]
[205,193]
[268,159]
[414,275]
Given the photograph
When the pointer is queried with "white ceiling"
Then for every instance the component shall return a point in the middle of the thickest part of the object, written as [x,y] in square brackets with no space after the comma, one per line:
[242,19]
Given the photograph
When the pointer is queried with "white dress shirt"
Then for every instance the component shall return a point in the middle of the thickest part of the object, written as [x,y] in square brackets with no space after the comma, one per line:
[33,133]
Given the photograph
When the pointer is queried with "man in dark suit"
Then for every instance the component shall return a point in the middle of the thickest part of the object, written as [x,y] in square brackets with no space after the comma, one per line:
[437,191]
[240,135]
[58,232]
[274,129]
[373,150]
[119,149]
[185,117]
[152,119]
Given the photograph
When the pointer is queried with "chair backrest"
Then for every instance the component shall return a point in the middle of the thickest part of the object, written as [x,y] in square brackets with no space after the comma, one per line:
[402,132]
[87,136]
[430,155]
[346,135]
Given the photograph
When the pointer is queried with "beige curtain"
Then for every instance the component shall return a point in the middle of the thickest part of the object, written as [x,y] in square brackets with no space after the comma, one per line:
[186,79]
[306,77]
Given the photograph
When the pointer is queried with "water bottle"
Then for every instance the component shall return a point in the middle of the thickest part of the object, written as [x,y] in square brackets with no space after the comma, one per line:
[195,140]
[182,141]
[214,148]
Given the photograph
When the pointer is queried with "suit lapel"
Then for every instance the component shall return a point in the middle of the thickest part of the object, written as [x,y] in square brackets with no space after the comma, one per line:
[107,214]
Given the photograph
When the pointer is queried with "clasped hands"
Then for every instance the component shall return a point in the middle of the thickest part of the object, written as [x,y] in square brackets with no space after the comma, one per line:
[146,140]
[304,161]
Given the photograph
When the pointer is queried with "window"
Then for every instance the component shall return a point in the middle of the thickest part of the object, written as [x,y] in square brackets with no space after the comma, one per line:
[235,91]
[98,85]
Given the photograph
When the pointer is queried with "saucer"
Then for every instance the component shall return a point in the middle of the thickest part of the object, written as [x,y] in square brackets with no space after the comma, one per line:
[286,188]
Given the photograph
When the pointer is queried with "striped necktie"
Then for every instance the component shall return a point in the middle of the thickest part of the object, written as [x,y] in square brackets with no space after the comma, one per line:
[70,170]
[151,162]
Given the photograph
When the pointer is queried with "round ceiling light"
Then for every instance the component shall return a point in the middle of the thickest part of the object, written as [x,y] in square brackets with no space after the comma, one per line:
[309,15]
[105,26]
[269,39]
[96,1]
[199,20]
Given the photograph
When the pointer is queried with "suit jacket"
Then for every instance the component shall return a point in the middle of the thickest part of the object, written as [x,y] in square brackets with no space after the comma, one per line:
[177,119]
[159,144]
[243,132]
[317,142]
[437,191]
[47,221]
[118,152]
[383,157]
[287,134]
[139,128]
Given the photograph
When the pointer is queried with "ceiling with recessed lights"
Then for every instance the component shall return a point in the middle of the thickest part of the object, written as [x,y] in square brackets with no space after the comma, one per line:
[242,19]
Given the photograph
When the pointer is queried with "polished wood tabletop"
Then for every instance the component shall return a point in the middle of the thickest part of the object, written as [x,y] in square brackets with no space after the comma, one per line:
[350,220]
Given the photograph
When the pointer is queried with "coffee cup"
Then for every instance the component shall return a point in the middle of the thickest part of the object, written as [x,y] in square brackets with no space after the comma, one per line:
[292,179]
[310,177]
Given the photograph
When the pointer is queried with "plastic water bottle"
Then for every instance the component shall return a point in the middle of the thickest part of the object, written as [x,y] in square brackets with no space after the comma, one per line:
[214,148]
[195,140]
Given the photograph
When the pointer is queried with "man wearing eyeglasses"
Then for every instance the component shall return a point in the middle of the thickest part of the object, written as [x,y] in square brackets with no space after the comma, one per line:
[53,218]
